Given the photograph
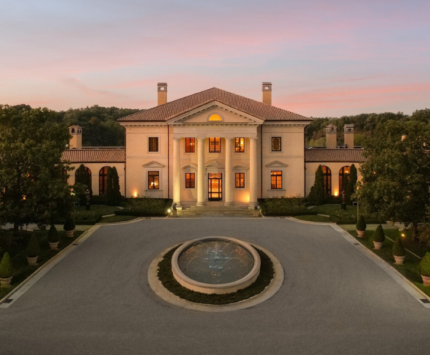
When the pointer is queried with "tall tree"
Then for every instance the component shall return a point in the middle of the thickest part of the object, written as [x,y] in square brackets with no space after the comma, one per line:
[113,193]
[350,184]
[317,194]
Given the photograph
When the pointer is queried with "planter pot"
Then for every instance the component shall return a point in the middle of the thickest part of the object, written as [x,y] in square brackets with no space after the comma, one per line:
[399,259]
[360,234]
[5,282]
[426,280]
[54,246]
[32,261]
[70,233]
[378,245]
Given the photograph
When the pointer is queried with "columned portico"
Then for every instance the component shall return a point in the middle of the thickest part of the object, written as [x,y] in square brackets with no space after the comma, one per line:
[177,173]
[201,172]
[252,173]
[228,172]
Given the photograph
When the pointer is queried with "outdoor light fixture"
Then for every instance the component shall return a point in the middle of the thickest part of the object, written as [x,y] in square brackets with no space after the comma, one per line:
[168,211]
[403,235]
[135,194]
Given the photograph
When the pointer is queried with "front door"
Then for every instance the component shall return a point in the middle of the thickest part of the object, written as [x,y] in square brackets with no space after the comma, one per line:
[215,187]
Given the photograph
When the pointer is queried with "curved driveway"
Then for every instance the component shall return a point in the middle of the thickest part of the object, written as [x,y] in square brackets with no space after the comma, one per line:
[334,299]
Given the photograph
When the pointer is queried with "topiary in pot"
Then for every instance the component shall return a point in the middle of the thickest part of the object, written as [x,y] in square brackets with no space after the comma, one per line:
[69,227]
[425,269]
[6,270]
[53,238]
[33,250]
[399,251]
[361,226]
[378,237]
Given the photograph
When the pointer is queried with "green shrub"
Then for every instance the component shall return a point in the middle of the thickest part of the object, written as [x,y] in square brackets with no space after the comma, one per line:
[69,225]
[280,206]
[425,265]
[378,234]
[317,195]
[53,235]
[33,248]
[361,224]
[398,249]
[6,269]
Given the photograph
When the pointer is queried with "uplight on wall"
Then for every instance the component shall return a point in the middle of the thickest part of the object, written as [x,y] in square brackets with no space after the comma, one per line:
[135,194]
[336,193]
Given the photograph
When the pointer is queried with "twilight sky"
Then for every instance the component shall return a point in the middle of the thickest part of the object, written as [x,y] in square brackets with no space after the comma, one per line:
[324,58]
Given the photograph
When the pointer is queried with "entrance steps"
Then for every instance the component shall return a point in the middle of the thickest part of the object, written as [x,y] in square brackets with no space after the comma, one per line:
[215,211]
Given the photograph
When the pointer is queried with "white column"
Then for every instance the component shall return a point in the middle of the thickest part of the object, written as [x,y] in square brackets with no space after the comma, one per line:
[201,172]
[177,173]
[252,173]
[228,173]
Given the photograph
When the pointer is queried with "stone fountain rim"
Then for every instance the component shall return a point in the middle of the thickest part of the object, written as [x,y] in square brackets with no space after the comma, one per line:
[194,285]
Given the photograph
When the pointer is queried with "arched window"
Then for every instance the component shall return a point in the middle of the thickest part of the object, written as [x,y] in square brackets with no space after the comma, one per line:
[73,130]
[342,173]
[84,178]
[215,117]
[327,179]
[103,178]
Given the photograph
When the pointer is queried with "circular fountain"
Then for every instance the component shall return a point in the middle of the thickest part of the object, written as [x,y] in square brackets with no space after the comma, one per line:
[215,265]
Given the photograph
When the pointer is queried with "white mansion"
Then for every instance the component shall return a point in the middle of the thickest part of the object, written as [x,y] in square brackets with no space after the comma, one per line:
[215,146]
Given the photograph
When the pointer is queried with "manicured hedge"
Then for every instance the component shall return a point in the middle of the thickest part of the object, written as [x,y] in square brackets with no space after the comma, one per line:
[354,221]
[283,206]
[291,214]
[139,213]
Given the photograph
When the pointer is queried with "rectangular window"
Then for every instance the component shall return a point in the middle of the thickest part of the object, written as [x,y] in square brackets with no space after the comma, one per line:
[190,180]
[153,180]
[190,145]
[276,180]
[240,180]
[239,145]
[276,144]
[153,144]
[214,145]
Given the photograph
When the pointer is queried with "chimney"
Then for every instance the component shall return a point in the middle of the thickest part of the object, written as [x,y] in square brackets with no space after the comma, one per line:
[348,132]
[331,136]
[162,93]
[76,140]
[267,93]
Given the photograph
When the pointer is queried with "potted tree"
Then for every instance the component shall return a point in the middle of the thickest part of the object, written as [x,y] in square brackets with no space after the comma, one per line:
[6,271]
[361,226]
[53,238]
[378,237]
[69,227]
[399,251]
[425,269]
[33,250]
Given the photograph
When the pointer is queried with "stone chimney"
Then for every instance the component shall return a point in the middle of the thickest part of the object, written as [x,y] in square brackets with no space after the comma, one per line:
[348,132]
[162,93]
[76,140]
[331,136]
[267,93]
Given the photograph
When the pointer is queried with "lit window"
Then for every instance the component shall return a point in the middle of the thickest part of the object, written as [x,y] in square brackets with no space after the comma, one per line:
[276,144]
[239,145]
[153,180]
[327,179]
[343,177]
[276,180]
[215,117]
[190,145]
[240,180]
[214,145]
[153,144]
[190,180]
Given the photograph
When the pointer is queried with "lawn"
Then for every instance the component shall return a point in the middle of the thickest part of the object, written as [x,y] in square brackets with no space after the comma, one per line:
[314,219]
[102,210]
[115,219]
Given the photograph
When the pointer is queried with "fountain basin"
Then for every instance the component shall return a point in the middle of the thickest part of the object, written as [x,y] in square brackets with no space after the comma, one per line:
[215,265]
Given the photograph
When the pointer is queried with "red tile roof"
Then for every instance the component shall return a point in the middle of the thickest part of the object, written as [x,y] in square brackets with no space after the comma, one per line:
[111,155]
[174,108]
[334,155]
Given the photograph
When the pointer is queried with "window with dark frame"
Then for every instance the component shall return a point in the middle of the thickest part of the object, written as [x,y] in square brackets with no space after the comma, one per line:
[276,144]
[276,179]
[327,179]
[190,180]
[239,145]
[153,144]
[153,180]
[240,180]
[214,145]
[190,145]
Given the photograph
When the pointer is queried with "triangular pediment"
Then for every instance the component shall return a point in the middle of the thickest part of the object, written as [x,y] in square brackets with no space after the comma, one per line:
[214,164]
[190,166]
[276,164]
[240,167]
[153,164]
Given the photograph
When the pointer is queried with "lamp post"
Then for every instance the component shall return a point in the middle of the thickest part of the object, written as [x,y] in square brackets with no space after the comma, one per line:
[73,193]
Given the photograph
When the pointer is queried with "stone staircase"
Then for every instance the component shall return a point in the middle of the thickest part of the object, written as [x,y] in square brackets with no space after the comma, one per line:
[216,211]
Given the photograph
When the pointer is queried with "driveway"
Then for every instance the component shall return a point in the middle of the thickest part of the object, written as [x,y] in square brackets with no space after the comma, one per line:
[334,299]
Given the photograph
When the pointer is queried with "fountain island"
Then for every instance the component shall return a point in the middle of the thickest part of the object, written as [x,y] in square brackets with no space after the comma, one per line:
[215,265]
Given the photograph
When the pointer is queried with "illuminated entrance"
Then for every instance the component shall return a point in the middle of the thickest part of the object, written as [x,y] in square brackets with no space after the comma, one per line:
[215,187]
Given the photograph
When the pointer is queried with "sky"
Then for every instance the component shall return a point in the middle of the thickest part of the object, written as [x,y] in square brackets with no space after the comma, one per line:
[324,58]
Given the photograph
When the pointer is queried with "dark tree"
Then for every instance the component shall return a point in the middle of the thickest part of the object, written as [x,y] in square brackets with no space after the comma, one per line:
[113,194]
[317,194]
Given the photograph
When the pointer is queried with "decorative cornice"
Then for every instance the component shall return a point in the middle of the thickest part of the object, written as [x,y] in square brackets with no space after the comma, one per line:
[276,164]
[153,164]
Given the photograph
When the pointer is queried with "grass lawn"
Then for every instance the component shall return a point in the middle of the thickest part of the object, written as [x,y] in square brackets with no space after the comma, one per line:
[314,219]
[410,268]
[19,258]
[114,219]
[103,210]
[335,209]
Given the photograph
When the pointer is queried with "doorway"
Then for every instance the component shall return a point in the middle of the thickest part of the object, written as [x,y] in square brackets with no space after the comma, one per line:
[215,187]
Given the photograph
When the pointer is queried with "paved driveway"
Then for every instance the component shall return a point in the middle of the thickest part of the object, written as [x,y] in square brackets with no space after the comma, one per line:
[334,300]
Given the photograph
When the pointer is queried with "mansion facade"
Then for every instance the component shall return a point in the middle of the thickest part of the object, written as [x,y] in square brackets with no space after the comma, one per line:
[215,146]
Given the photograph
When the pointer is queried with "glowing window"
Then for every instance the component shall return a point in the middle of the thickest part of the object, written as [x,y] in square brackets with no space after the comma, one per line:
[239,145]
[215,117]
[276,180]
[153,180]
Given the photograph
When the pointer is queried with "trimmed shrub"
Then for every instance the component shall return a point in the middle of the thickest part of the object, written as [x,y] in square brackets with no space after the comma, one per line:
[33,248]
[361,223]
[69,225]
[317,194]
[113,194]
[53,235]
[425,265]
[282,206]
[398,249]
[6,269]
[378,235]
